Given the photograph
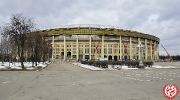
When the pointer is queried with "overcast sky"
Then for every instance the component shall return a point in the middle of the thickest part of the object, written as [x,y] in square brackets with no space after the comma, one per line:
[160,18]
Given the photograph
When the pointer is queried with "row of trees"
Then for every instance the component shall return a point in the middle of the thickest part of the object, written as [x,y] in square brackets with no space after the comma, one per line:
[21,41]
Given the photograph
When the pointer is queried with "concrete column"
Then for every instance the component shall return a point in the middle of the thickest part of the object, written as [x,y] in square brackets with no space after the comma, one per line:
[157,52]
[146,50]
[131,57]
[77,48]
[102,47]
[65,51]
[120,48]
[112,49]
[138,49]
[83,51]
[89,47]
[154,51]
[151,49]
[71,50]
[52,47]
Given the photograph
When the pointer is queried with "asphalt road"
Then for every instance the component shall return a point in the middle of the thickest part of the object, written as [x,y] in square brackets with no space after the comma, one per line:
[63,81]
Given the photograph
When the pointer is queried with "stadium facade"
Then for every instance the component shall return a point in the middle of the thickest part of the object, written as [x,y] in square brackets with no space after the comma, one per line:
[90,42]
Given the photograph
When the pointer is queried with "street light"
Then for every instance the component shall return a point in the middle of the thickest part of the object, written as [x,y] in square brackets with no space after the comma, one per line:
[140,46]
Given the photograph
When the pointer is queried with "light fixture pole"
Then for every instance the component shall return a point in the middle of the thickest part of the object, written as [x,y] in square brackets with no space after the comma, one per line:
[140,46]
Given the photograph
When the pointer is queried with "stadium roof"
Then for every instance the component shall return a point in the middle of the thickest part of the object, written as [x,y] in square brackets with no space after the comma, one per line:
[95,29]
[87,26]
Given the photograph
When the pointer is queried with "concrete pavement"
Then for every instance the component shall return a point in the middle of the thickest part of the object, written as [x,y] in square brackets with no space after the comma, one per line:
[63,81]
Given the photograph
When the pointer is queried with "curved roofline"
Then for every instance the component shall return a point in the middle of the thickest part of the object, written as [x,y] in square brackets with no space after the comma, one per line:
[95,29]
[87,25]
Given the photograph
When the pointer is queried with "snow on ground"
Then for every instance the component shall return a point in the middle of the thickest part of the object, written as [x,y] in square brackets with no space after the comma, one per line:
[17,65]
[156,66]
[87,66]
[110,67]
[28,65]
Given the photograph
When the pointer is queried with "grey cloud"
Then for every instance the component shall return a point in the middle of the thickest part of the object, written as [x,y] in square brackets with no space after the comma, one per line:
[156,17]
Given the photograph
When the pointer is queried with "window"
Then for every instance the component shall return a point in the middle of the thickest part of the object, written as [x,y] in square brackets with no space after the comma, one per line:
[109,45]
[74,50]
[56,45]
[110,50]
[81,45]
[74,56]
[87,50]
[92,50]
[105,50]
[115,50]
[69,50]
[57,56]
[68,45]
[80,50]
[57,50]
[115,46]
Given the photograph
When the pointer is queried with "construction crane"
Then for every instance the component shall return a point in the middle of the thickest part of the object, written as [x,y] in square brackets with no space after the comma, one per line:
[171,59]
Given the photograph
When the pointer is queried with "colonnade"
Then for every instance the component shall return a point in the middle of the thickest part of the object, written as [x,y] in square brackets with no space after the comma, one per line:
[154,48]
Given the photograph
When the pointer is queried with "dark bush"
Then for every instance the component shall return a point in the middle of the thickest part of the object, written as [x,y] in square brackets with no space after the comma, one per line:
[148,63]
[104,64]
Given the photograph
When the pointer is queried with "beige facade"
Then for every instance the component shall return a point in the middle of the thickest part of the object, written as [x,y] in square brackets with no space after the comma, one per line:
[91,47]
[91,42]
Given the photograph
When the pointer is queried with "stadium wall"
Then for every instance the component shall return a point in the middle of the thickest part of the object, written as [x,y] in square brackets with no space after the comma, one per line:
[90,42]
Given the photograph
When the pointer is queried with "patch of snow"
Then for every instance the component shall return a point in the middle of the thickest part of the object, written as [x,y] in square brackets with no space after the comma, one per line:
[156,66]
[17,65]
[126,67]
[87,66]
[2,67]
[110,67]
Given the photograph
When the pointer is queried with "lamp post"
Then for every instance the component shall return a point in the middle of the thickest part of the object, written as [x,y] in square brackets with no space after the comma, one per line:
[140,46]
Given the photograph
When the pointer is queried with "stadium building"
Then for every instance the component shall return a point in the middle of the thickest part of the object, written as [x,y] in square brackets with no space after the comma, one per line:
[90,42]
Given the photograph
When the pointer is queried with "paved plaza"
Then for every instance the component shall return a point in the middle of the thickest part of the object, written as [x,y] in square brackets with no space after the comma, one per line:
[64,81]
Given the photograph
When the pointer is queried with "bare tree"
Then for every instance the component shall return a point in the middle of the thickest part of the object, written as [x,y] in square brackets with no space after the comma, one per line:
[38,48]
[17,31]
[46,50]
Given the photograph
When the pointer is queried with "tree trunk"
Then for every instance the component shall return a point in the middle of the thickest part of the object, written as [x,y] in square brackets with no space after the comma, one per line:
[22,57]
[36,50]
